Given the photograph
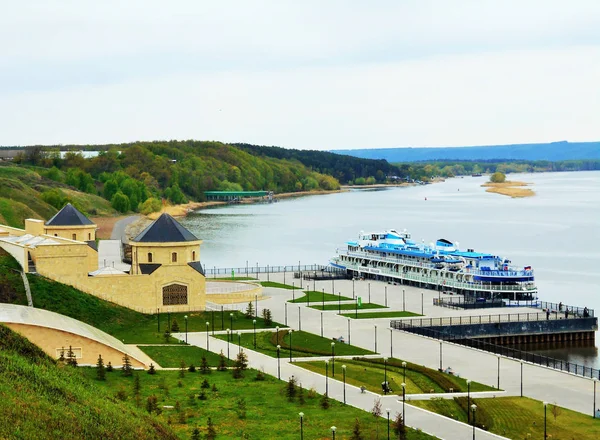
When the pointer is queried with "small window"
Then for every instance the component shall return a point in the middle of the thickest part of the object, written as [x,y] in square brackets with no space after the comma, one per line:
[193,255]
[149,257]
[74,236]
[174,257]
[89,235]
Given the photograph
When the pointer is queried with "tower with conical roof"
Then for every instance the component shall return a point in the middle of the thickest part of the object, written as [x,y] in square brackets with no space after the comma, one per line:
[71,224]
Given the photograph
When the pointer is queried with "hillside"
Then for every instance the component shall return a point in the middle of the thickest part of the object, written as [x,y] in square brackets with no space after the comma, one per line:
[42,400]
[555,151]
[24,194]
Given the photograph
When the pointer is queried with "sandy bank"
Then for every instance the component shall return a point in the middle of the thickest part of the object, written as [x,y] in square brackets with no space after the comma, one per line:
[511,189]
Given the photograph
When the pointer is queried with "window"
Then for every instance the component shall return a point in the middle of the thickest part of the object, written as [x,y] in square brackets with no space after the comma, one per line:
[174,294]
[74,236]
[89,235]
[149,257]
[174,257]
[193,255]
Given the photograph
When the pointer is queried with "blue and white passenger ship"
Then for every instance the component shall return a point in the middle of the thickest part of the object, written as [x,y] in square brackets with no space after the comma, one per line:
[392,256]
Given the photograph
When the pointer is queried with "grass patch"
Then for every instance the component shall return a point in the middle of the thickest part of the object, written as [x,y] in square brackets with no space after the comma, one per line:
[519,417]
[233,279]
[43,400]
[370,373]
[171,356]
[278,285]
[375,315]
[348,306]
[312,296]
[303,344]
[268,413]
[125,324]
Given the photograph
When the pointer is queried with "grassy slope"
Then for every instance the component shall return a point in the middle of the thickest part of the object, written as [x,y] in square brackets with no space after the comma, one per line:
[42,400]
[171,356]
[21,189]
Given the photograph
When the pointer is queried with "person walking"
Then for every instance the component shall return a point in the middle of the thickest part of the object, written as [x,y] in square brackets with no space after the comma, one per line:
[547,313]
[566,313]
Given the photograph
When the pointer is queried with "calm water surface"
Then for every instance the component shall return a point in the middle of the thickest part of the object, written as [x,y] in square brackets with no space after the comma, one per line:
[557,232]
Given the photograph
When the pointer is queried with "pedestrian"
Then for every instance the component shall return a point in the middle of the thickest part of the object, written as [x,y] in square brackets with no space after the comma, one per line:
[585,312]
[547,313]
[560,306]
[566,313]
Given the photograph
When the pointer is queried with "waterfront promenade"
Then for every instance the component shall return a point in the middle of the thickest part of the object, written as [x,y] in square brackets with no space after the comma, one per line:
[541,383]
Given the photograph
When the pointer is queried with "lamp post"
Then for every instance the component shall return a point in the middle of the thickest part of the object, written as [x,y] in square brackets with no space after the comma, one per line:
[207,323]
[285,306]
[595,380]
[353,295]
[231,321]
[228,343]
[498,372]
[339,303]
[326,378]
[385,387]
[474,408]
[277,333]
[403,301]
[239,342]
[375,339]
[348,331]
[387,410]
[385,299]
[403,403]
[422,303]
[391,345]
[321,324]
[545,406]
[158,318]
[301,425]
[333,429]
[290,333]
[441,368]
[468,401]
[185,317]
[521,378]
[344,376]
[369,292]
[332,359]
[278,362]
[323,299]
[254,324]
[404,375]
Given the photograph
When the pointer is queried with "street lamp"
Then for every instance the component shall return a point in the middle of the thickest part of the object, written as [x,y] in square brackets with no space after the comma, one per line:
[391,341]
[595,380]
[385,387]
[228,343]
[333,429]
[207,323]
[404,367]
[326,378]
[474,408]
[301,425]
[278,362]
[498,372]
[185,317]
[386,302]
[545,405]
[231,321]
[277,332]
[403,301]
[521,378]
[375,339]
[339,303]
[387,410]
[290,333]
[468,400]
[348,331]
[344,374]
[332,359]
[403,402]
[254,324]
[441,368]
[239,342]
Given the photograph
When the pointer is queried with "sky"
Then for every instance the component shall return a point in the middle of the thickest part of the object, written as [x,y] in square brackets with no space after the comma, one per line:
[326,74]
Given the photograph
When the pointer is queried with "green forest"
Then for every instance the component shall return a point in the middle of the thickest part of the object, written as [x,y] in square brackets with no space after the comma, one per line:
[137,176]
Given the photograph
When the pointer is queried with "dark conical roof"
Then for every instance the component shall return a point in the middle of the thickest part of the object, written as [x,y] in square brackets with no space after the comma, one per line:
[165,229]
[69,216]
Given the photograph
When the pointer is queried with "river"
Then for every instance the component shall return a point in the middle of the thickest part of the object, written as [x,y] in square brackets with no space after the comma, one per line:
[557,231]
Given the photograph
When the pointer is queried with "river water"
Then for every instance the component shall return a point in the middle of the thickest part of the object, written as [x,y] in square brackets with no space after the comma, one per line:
[557,232]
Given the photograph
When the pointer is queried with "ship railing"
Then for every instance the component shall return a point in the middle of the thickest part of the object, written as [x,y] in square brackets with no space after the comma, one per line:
[443,282]
[512,271]
[484,319]
[501,350]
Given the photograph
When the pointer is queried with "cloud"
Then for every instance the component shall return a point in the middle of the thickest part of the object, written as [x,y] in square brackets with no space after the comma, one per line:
[323,75]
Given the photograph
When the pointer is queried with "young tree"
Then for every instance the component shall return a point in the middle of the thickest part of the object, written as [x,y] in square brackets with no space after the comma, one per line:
[399,427]
[204,367]
[61,358]
[356,435]
[211,433]
[301,399]
[241,364]
[290,388]
[202,395]
[174,326]
[167,336]
[100,369]
[191,368]
[152,404]
[222,363]
[376,411]
[240,408]
[325,401]
[151,370]
[498,177]
[127,369]
[195,434]
[214,388]
[556,411]
[137,387]
[266,314]
[250,310]
[71,360]
[109,368]
[205,384]
[182,369]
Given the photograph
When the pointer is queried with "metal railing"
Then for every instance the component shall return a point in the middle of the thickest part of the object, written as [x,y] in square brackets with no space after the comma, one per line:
[257,270]
[461,303]
[525,356]
[480,319]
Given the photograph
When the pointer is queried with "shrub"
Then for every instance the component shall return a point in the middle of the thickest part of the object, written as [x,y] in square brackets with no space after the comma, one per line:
[192,369]
[151,370]
[205,384]
[204,367]
[325,402]
[100,369]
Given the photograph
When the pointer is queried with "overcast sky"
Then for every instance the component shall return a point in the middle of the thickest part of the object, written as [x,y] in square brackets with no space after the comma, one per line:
[303,74]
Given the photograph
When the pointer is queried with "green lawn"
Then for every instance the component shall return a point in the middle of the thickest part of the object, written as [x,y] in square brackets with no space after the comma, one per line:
[347,306]
[313,296]
[519,417]
[303,344]
[234,279]
[268,413]
[171,356]
[370,373]
[279,285]
[375,315]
